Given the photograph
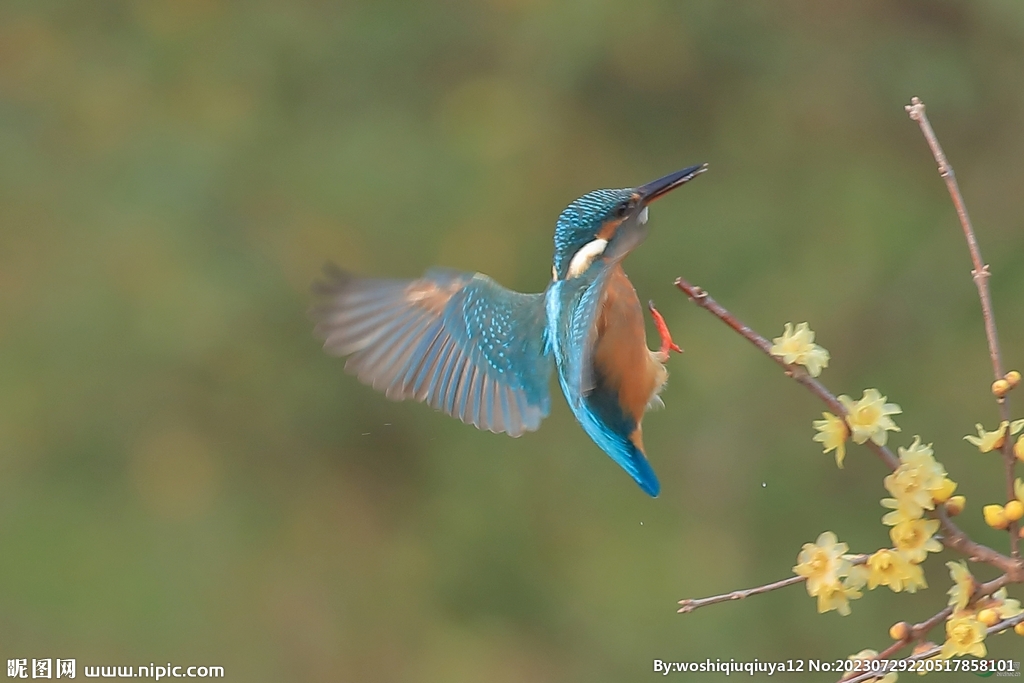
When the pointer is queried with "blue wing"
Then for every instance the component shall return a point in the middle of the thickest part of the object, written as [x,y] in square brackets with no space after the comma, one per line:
[572,313]
[459,342]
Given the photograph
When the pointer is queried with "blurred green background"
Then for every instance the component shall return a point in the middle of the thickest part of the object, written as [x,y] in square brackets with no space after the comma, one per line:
[186,477]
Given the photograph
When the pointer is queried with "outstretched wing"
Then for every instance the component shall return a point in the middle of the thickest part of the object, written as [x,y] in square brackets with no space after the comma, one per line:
[460,342]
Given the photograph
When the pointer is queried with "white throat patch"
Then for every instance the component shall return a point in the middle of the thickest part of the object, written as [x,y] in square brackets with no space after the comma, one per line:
[582,259]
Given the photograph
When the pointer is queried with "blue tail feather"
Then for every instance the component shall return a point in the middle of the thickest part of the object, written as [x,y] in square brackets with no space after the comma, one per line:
[605,423]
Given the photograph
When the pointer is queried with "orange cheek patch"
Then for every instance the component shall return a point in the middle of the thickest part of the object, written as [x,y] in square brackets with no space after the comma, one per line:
[607,230]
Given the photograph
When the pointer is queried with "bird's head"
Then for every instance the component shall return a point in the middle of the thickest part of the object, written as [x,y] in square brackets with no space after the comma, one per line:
[608,224]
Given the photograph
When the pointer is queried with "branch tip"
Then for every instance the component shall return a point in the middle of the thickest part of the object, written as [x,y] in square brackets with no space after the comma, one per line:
[915,109]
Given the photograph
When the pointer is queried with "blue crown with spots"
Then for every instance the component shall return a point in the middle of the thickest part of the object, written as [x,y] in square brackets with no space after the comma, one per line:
[581,220]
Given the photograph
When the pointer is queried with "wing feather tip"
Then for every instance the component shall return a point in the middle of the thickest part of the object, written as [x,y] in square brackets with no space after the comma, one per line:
[331,280]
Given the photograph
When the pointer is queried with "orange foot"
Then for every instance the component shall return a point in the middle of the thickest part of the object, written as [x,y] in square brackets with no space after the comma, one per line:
[666,337]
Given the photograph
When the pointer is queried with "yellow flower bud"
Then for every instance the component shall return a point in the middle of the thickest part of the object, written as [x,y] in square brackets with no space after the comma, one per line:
[1013,378]
[899,631]
[989,617]
[1018,448]
[1019,629]
[944,491]
[1000,387]
[1014,510]
[995,516]
[955,505]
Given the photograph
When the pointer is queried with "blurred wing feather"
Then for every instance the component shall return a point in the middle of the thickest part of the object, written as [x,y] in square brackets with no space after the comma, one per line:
[459,342]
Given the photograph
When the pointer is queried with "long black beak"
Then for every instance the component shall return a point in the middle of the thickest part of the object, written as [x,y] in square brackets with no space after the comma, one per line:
[654,189]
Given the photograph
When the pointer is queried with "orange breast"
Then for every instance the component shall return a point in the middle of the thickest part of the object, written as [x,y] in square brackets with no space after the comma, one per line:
[621,354]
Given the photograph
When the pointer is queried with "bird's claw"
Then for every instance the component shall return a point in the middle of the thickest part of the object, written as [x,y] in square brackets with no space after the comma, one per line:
[666,337]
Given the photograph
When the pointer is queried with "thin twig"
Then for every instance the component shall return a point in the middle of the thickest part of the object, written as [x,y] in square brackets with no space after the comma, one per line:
[690,604]
[980,274]
[704,300]
[955,539]
[922,629]
[918,632]
[933,651]
[952,536]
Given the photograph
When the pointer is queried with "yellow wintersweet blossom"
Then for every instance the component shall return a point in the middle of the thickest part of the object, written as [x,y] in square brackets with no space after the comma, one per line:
[797,346]
[858,576]
[869,418]
[989,441]
[837,596]
[892,568]
[921,456]
[1006,607]
[965,635]
[1000,604]
[916,484]
[915,538]
[822,562]
[963,585]
[898,514]
[1018,488]
[832,433]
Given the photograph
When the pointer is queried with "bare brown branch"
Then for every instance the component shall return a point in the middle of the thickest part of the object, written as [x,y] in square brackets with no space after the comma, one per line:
[980,274]
[931,652]
[690,604]
[798,373]
[918,632]
[952,536]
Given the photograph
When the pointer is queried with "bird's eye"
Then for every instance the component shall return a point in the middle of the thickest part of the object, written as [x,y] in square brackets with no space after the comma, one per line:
[622,209]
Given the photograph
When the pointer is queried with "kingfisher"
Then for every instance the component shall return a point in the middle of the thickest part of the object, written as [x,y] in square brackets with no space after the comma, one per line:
[469,347]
